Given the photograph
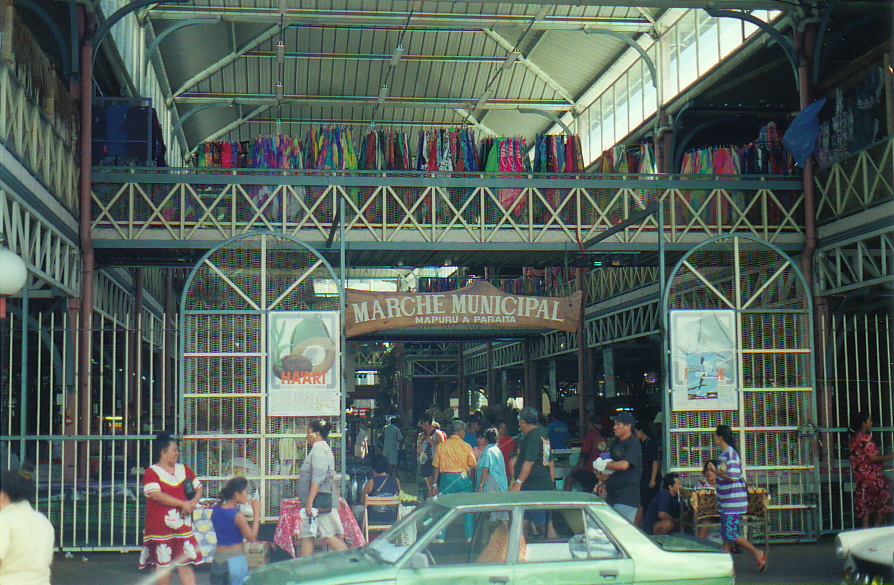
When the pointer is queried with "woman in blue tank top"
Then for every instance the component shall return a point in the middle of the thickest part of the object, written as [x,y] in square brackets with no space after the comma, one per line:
[381,484]
[230,565]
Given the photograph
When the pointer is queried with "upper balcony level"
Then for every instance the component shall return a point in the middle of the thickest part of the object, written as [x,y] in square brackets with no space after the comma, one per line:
[38,118]
[416,219]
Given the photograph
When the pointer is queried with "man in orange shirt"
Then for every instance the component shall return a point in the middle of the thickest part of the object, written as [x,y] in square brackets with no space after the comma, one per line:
[454,469]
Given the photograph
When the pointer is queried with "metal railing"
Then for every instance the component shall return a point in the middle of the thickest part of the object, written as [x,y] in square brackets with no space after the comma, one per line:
[182,204]
[28,132]
[857,182]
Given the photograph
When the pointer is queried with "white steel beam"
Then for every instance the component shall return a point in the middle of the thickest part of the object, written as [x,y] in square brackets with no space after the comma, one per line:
[349,101]
[533,67]
[397,19]
[467,116]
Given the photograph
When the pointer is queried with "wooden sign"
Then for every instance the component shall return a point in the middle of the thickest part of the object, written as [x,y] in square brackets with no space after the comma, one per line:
[477,306]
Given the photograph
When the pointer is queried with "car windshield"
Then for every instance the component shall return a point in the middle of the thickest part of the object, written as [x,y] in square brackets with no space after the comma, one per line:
[392,544]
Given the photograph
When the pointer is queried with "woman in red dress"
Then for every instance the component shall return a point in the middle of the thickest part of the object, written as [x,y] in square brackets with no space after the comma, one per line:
[168,539]
[873,494]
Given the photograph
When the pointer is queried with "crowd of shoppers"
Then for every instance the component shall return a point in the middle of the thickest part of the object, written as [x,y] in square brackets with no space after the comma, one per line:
[480,454]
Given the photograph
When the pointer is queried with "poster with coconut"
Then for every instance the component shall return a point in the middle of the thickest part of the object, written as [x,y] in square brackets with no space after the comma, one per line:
[303,364]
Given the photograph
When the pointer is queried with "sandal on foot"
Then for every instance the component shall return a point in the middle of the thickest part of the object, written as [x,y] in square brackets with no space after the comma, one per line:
[762,563]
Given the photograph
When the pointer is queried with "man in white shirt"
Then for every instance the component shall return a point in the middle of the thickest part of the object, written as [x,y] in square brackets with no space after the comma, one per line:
[361,443]
[392,437]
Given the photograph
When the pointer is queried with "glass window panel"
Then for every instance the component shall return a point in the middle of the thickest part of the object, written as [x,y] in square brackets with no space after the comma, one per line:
[688,65]
[395,541]
[596,128]
[562,535]
[608,130]
[473,538]
[708,45]
[622,117]
[671,75]
[730,35]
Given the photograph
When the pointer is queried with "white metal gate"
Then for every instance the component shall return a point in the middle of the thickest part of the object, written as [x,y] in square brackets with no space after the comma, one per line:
[858,377]
[225,424]
[775,417]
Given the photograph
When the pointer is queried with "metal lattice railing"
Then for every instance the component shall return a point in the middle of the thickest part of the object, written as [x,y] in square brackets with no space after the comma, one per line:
[52,255]
[180,204]
[861,180]
[28,132]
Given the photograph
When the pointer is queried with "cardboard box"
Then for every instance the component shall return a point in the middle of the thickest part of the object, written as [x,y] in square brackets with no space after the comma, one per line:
[258,554]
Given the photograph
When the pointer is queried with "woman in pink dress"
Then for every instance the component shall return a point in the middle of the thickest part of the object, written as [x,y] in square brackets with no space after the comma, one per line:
[168,539]
[873,494]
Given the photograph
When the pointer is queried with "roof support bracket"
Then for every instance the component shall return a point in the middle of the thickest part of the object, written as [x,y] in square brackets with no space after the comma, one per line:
[785,43]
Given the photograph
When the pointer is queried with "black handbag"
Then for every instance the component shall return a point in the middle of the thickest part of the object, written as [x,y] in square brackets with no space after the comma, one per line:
[323,502]
[189,490]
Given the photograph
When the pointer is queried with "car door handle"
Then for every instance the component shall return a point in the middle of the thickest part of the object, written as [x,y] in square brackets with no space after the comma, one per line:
[608,573]
[499,579]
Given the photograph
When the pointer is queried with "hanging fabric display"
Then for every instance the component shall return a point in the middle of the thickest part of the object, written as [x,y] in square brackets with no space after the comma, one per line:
[556,153]
[381,150]
[505,155]
[446,150]
[765,156]
[328,148]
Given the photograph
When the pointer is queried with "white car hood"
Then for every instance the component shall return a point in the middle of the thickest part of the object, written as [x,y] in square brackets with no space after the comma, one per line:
[871,544]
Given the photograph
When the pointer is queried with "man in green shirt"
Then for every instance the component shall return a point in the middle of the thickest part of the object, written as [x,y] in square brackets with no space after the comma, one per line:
[532,466]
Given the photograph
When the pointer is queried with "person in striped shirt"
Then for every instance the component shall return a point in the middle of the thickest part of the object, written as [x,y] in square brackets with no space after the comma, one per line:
[732,495]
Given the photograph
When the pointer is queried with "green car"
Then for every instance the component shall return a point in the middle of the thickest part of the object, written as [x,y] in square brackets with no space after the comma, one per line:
[537,538]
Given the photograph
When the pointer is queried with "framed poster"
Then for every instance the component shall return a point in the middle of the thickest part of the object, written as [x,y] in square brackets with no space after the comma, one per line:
[303,363]
[703,360]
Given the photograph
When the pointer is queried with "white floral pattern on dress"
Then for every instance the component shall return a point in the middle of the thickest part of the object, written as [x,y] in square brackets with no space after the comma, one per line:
[163,554]
[189,550]
[173,519]
[144,555]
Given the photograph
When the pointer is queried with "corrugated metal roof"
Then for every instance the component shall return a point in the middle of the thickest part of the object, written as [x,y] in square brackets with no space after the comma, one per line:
[338,55]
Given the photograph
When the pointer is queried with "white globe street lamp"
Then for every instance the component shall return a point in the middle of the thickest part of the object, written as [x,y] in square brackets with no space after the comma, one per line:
[13,274]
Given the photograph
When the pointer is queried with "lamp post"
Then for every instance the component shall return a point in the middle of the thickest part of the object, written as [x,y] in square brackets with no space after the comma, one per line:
[13,274]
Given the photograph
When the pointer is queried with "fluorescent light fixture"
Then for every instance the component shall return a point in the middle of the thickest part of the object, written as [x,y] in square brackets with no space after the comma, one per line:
[279,91]
[278,127]
[511,58]
[398,53]
[282,7]
[281,52]
[484,98]
[383,93]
